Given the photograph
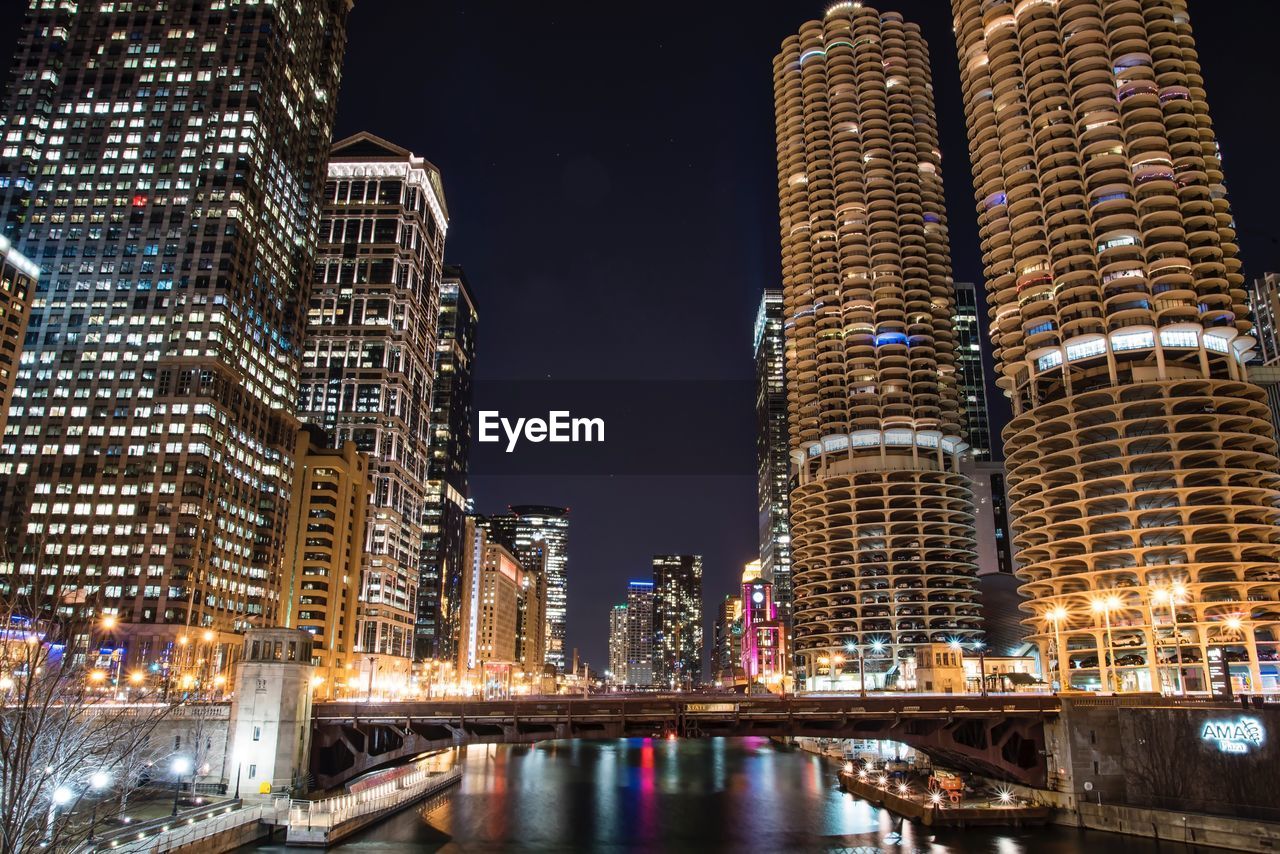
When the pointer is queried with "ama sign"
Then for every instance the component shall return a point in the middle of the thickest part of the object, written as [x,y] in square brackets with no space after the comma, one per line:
[1238,736]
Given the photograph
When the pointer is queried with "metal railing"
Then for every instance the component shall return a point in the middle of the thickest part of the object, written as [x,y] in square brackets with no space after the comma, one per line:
[331,812]
[165,834]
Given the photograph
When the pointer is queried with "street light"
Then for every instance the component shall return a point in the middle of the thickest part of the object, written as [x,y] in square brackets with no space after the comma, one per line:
[1104,606]
[1173,595]
[98,781]
[1058,615]
[862,667]
[181,765]
[61,797]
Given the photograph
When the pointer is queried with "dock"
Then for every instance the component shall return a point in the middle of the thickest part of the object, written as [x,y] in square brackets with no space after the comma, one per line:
[920,807]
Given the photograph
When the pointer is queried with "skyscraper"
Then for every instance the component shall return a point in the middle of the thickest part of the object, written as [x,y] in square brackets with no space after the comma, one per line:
[972,376]
[369,360]
[881,518]
[640,634]
[677,620]
[773,454]
[440,585]
[164,165]
[1142,467]
[618,645]
[529,529]
[18,276]
[726,643]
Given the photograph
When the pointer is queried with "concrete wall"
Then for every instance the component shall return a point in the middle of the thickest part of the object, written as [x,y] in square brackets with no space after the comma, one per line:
[1193,829]
[1145,755]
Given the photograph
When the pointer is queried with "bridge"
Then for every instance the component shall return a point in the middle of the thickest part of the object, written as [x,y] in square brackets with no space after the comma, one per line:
[997,736]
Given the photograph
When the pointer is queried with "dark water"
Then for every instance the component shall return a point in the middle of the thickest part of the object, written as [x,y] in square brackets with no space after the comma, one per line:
[741,795]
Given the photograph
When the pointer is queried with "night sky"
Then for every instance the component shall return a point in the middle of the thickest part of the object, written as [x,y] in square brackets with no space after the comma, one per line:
[610,177]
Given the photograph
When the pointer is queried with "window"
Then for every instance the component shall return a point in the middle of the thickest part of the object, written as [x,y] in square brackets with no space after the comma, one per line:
[257,733]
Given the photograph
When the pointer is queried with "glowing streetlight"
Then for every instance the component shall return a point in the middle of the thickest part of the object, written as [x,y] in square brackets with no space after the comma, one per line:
[1172,596]
[98,781]
[1058,615]
[110,621]
[96,676]
[181,766]
[62,796]
[1104,605]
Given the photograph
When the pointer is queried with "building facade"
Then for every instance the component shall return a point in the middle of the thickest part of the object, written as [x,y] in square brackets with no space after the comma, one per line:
[446,506]
[881,517]
[1264,306]
[677,621]
[18,275]
[640,634]
[369,359]
[773,453]
[529,531]
[993,532]
[490,648]
[726,641]
[763,649]
[324,556]
[971,373]
[167,180]
[1142,469]
[617,674]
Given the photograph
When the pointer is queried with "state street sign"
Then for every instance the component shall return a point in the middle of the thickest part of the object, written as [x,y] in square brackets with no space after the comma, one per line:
[1241,735]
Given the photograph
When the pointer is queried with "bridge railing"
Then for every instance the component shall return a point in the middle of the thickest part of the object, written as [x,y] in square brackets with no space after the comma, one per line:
[331,812]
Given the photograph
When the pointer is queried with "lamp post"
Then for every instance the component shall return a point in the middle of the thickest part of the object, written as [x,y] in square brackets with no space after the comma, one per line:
[61,797]
[1057,615]
[98,781]
[181,765]
[877,647]
[862,667]
[1171,596]
[1105,606]
[982,665]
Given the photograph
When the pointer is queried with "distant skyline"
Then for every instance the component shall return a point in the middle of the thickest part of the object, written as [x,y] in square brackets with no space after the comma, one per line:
[612,194]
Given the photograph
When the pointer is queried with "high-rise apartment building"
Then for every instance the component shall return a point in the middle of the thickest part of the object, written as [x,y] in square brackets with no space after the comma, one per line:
[773,453]
[971,375]
[440,584]
[1142,468]
[539,535]
[640,634]
[18,276]
[617,674]
[881,519]
[369,360]
[677,621]
[324,556]
[163,164]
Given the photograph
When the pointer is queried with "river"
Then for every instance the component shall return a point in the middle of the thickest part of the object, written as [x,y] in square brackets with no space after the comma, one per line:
[641,795]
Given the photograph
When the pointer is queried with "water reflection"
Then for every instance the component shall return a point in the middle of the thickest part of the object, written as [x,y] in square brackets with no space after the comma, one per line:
[706,795]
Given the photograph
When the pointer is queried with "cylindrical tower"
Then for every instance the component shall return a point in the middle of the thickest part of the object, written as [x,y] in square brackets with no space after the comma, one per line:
[881,520]
[1142,468]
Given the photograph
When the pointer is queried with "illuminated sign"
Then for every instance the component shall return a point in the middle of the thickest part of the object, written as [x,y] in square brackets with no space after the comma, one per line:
[1238,736]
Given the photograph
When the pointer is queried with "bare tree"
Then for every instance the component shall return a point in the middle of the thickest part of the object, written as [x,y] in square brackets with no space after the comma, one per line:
[61,735]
